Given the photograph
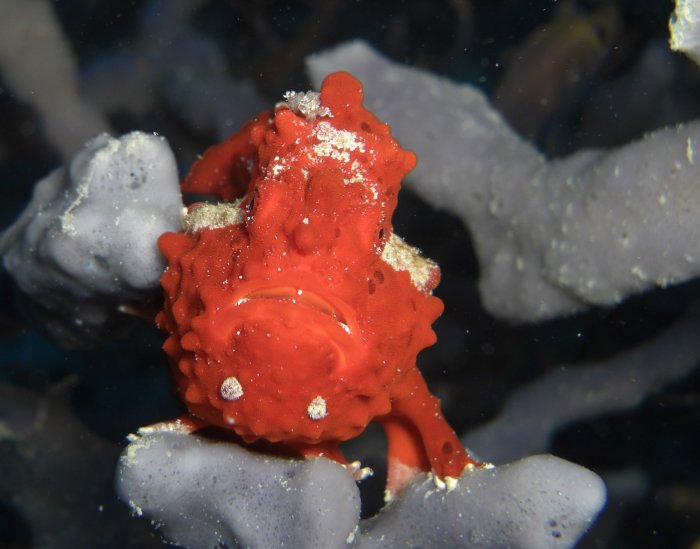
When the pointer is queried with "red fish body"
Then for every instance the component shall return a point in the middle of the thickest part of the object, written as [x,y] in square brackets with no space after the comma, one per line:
[293,313]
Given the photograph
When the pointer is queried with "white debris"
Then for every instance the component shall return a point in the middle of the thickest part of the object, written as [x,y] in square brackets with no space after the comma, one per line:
[231,388]
[317,408]
[308,104]
[214,216]
[337,144]
[402,257]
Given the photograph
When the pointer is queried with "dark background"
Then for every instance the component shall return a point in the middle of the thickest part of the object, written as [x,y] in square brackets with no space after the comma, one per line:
[72,409]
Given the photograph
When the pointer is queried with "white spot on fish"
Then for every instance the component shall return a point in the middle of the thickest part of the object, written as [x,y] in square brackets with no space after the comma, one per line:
[231,389]
[317,408]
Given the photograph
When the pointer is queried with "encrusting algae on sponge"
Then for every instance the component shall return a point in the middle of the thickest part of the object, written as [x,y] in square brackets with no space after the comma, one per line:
[294,314]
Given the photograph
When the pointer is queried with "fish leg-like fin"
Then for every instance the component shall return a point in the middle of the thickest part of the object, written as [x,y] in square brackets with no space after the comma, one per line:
[444,451]
[406,455]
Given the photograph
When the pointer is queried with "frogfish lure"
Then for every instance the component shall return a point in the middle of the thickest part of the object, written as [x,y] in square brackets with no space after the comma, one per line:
[293,313]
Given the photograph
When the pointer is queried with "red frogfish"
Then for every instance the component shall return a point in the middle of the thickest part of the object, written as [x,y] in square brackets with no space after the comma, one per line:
[293,313]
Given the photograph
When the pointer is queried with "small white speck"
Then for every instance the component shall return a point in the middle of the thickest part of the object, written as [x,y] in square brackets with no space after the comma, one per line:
[439,483]
[231,389]
[637,271]
[317,408]
[451,483]
[135,509]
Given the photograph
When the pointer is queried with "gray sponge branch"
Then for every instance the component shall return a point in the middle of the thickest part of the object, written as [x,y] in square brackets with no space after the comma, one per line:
[552,236]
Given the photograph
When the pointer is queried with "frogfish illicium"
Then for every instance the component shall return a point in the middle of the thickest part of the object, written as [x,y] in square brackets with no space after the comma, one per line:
[293,312]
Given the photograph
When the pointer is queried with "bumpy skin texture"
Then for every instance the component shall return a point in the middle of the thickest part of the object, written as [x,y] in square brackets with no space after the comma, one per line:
[291,320]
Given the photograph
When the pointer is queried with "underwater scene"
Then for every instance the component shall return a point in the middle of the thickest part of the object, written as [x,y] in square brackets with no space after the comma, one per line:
[360,274]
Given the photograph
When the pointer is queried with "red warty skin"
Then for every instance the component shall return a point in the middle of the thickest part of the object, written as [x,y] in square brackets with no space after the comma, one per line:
[293,313]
